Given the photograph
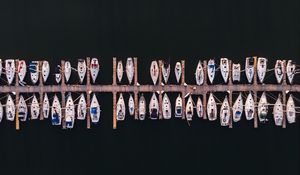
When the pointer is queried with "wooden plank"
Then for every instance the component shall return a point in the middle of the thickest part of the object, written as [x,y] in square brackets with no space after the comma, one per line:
[41,85]
[114,110]
[255,92]
[204,93]
[284,95]
[135,71]
[160,64]
[136,109]
[114,71]
[63,90]
[17,97]
[136,106]
[230,94]
[183,92]
[88,93]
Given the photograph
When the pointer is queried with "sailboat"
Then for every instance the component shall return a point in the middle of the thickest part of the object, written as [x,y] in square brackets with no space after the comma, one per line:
[45,70]
[121,109]
[199,74]
[236,72]
[94,68]
[165,71]
[22,109]
[120,70]
[200,111]
[225,112]
[70,112]
[261,68]
[154,71]
[290,70]
[237,108]
[1,111]
[131,105]
[10,70]
[68,70]
[249,107]
[10,109]
[249,68]
[178,106]
[142,108]
[57,74]
[22,69]
[211,70]
[279,71]
[34,71]
[263,108]
[178,71]
[34,108]
[224,66]
[129,69]
[81,108]
[153,107]
[278,112]
[211,108]
[189,109]
[290,110]
[46,106]
[81,69]
[95,110]
[56,111]
[166,107]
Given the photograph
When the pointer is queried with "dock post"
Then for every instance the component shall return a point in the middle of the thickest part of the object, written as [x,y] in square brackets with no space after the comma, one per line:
[230,94]
[17,97]
[114,110]
[135,90]
[255,92]
[88,91]
[63,88]
[160,82]
[41,85]
[284,95]
[183,84]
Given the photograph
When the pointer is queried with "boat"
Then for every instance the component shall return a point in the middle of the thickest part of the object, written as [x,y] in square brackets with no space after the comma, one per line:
[165,69]
[10,70]
[178,106]
[153,107]
[249,107]
[45,70]
[154,71]
[236,72]
[68,70]
[142,108]
[211,108]
[121,109]
[178,71]
[249,68]
[129,69]
[131,105]
[166,107]
[70,112]
[199,74]
[57,74]
[290,70]
[46,106]
[263,108]
[94,68]
[120,70]
[279,71]
[81,108]
[95,110]
[224,67]
[225,112]
[10,109]
[34,108]
[211,70]
[34,71]
[81,69]
[290,110]
[0,70]
[261,68]
[22,109]
[22,69]
[56,111]
[199,107]
[237,108]
[278,112]
[189,109]
[1,111]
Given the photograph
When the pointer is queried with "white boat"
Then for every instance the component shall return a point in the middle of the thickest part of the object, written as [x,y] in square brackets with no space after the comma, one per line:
[154,71]
[56,111]
[279,71]
[121,109]
[22,69]
[249,68]
[0,70]
[236,72]
[165,69]
[10,69]
[237,108]
[129,69]
[142,108]
[22,109]
[68,70]
[94,68]
[225,112]
[95,110]
[211,108]
[34,71]
[120,70]
[57,74]
[278,112]
[189,109]
[10,109]
[263,108]
[224,67]
[178,71]
[34,108]
[199,74]
[153,107]
[1,111]
[290,110]
[70,112]
[211,70]
[249,107]
[262,68]
[81,69]
[45,70]
[131,105]
[81,108]
[178,106]
[166,107]
[46,106]
[290,70]
[200,110]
